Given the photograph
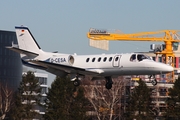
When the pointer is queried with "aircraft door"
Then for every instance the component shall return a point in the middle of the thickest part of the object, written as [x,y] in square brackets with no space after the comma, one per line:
[116,61]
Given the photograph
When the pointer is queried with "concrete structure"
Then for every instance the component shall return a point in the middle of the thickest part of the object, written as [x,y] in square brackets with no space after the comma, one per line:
[10,62]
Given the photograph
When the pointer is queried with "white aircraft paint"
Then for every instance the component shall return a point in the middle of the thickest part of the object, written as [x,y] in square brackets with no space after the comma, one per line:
[101,65]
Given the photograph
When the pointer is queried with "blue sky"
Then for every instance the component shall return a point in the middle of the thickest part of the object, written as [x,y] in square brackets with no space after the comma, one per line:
[62,25]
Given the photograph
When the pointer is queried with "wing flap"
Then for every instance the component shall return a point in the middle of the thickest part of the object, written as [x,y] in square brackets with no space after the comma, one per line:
[68,69]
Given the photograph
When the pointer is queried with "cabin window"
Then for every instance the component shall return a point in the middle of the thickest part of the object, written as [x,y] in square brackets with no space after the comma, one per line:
[87,60]
[110,59]
[116,59]
[105,59]
[141,57]
[133,57]
[99,59]
[93,59]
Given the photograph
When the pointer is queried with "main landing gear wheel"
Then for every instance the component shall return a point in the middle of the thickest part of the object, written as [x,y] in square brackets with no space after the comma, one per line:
[154,82]
[76,82]
[108,83]
[108,86]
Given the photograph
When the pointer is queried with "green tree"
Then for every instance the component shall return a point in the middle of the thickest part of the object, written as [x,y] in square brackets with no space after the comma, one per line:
[26,98]
[139,103]
[173,102]
[65,101]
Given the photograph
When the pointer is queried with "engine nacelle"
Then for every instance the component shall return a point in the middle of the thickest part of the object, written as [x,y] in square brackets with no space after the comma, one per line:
[62,59]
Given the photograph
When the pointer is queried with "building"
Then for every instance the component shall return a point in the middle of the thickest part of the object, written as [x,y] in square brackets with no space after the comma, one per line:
[160,91]
[159,95]
[42,79]
[10,62]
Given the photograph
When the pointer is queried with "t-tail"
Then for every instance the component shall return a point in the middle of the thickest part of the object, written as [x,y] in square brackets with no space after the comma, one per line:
[27,44]
[26,41]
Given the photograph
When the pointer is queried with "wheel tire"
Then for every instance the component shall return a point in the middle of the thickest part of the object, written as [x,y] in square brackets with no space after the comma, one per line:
[108,86]
[76,83]
[154,82]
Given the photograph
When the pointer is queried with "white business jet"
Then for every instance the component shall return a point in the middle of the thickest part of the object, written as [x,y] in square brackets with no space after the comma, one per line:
[102,65]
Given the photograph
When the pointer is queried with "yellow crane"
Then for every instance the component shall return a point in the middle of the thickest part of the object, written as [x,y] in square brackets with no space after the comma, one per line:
[169,37]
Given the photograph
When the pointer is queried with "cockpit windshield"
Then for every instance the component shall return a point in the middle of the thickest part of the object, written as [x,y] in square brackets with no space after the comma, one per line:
[139,57]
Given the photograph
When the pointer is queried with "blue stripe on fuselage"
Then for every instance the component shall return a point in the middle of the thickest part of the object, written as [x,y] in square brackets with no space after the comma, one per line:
[32,65]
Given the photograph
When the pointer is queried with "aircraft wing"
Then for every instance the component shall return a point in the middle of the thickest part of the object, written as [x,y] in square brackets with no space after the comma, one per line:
[68,69]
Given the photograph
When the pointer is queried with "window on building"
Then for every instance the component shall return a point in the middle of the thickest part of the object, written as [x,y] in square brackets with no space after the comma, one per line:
[42,80]
[5,52]
[179,62]
[175,62]
[1,38]
[5,38]
[4,72]
[43,91]
[5,61]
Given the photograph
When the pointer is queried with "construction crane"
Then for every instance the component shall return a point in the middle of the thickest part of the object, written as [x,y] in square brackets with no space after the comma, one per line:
[169,37]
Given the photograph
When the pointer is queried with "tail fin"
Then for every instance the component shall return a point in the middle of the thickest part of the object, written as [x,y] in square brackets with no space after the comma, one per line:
[26,40]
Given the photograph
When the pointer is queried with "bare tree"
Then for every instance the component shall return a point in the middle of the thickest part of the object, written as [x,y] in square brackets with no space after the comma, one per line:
[106,103]
[6,100]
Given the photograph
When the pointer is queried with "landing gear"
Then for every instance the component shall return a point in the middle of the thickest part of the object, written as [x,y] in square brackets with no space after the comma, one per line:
[154,81]
[108,83]
[76,82]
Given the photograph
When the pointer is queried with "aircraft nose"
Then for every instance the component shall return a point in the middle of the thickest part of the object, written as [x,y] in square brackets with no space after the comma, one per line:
[164,68]
[168,68]
[159,67]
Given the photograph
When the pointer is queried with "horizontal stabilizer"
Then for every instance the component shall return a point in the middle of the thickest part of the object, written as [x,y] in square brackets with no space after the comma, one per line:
[23,51]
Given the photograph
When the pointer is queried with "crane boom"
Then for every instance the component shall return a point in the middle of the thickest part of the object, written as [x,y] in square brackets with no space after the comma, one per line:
[169,37]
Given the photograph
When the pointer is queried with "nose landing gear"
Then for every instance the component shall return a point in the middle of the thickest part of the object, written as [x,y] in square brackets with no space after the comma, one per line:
[154,81]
